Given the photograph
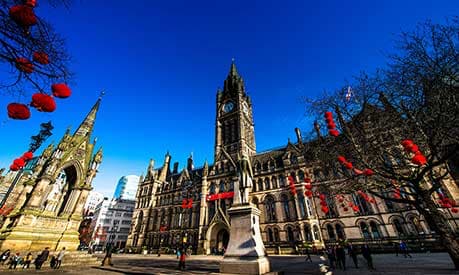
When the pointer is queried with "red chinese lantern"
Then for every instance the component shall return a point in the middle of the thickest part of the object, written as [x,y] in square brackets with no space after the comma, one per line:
[18,111]
[414,149]
[325,209]
[331,125]
[43,102]
[341,159]
[23,15]
[308,193]
[419,159]
[358,172]
[14,167]
[348,165]
[368,172]
[454,210]
[333,132]
[27,156]
[307,180]
[355,208]
[190,204]
[41,57]
[308,186]
[322,197]
[31,3]
[328,115]
[19,162]
[24,65]
[184,203]
[61,90]
[407,143]
[323,203]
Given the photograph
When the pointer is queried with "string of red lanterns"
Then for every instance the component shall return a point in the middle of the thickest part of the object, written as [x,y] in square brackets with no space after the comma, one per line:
[223,195]
[331,125]
[187,203]
[20,162]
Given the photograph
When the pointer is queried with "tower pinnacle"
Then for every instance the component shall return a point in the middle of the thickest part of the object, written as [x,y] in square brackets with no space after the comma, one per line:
[87,125]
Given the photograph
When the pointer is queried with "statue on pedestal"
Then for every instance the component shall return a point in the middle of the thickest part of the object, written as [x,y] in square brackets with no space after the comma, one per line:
[243,185]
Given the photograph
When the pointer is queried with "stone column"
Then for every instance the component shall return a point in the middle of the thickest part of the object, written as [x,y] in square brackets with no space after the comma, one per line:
[72,200]
[202,217]
[78,211]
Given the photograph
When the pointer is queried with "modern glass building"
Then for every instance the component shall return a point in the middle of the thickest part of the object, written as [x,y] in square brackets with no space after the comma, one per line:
[126,187]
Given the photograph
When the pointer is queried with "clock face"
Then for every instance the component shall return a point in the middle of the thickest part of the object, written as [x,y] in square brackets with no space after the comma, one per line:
[228,107]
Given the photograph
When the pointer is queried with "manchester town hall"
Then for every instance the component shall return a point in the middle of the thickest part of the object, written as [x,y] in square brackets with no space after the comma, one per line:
[175,208]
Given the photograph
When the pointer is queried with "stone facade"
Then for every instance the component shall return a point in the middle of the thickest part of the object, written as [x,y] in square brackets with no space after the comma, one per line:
[287,222]
[47,200]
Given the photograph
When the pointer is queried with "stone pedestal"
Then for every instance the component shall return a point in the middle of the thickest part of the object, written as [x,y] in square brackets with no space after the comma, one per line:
[245,253]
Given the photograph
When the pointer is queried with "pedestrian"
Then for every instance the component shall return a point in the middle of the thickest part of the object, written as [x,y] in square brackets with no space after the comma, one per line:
[41,258]
[404,249]
[314,250]
[27,260]
[59,258]
[182,260]
[366,253]
[108,255]
[341,257]
[396,246]
[178,253]
[308,255]
[352,252]
[5,255]
[15,259]
[331,257]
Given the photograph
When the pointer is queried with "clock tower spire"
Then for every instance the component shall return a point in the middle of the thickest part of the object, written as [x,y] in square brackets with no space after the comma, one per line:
[234,128]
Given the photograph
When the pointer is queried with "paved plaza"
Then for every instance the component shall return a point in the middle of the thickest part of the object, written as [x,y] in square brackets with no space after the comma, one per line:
[436,263]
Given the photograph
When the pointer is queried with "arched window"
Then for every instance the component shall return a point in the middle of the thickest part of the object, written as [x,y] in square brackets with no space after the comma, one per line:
[340,231]
[301,176]
[260,185]
[267,187]
[258,167]
[221,187]
[265,166]
[274,182]
[375,230]
[293,159]
[212,188]
[307,233]
[290,236]
[365,231]
[302,206]
[281,181]
[308,207]
[415,225]
[276,235]
[398,227]
[332,213]
[315,231]
[364,207]
[270,209]
[331,232]
[271,165]
[285,205]
[270,235]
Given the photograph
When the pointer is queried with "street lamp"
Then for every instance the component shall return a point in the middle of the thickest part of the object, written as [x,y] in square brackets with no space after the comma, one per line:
[37,140]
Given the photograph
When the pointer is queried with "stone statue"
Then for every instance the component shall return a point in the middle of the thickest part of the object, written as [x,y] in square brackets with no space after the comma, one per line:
[245,175]
[243,185]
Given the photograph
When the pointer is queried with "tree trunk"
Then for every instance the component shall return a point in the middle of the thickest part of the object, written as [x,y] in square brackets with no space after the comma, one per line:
[438,223]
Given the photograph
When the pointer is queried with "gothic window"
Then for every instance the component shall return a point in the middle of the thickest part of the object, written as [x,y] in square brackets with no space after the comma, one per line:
[212,188]
[276,235]
[332,213]
[415,225]
[364,207]
[398,227]
[265,166]
[315,231]
[211,210]
[290,236]
[270,209]
[223,205]
[365,231]
[285,205]
[258,167]
[301,176]
[281,181]
[307,233]
[271,165]
[302,206]
[190,217]
[274,182]
[260,185]
[221,188]
[339,231]
[270,235]
[308,207]
[375,230]
[331,232]
[267,184]
[279,163]
[293,159]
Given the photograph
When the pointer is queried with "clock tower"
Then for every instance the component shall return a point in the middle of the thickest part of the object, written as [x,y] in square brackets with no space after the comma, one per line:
[234,128]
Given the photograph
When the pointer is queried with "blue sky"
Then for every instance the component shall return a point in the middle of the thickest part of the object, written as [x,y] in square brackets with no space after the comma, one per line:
[161,62]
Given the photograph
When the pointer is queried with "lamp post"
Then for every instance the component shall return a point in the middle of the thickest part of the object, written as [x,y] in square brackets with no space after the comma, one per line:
[37,140]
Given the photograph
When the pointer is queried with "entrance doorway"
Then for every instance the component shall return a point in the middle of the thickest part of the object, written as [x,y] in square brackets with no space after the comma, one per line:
[222,239]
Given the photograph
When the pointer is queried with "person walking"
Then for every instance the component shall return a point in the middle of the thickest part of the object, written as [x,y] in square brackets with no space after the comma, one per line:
[366,253]
[15,259]
[341,257]
[178,253]
[108,256]
[352,252]
[41,258]
[331,256]
[59,258]
[182,260]
[5,255]
[308,255]
[404,249]
[27,260]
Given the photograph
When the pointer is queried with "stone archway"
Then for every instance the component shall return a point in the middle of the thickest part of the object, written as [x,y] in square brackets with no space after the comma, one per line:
[217,237]
[67,179]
